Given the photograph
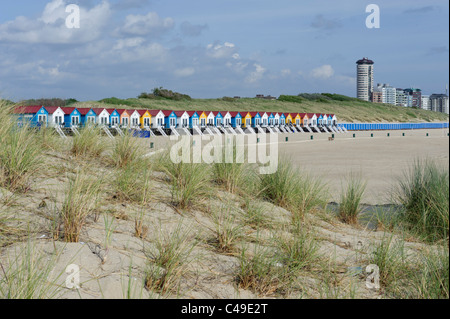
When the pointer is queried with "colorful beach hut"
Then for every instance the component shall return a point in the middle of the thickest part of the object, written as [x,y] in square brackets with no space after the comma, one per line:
[170,119]
[145,118]
[247,119]
[218,118]
[114,117]
[35,115]
[88,116]
[193,118]
[72,117]
[264,119]
[236,119]
[255,119]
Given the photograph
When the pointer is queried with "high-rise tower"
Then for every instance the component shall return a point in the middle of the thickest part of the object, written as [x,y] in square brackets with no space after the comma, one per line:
[364,79]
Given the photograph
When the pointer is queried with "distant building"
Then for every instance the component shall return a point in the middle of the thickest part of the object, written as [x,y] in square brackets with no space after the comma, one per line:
[400,97]
[377,95]
[413,97]
[388,94]
[268,97]
[426,102]
[364,79]
[439,103]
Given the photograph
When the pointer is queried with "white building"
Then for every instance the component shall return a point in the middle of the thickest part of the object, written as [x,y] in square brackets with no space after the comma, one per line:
[426,102]
[389,94]
[364,79]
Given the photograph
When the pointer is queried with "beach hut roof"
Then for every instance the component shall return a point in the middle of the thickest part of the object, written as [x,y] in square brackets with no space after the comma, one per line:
[311,114]
[141,112]
[190,113]
[68,110]
[27,109]
[233,114]
[51,109]
[216,113]
[154,112]
[98,110]
[180,113]
[253,114]
[167,112]
[84,110]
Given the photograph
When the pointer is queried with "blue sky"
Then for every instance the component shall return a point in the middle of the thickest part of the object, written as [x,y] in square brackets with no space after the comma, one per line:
[216,48]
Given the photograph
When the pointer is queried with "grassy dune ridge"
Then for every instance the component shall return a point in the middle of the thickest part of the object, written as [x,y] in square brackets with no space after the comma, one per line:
[346,111]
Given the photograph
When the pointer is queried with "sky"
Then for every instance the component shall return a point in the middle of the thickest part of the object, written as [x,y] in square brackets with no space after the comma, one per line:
[216,48]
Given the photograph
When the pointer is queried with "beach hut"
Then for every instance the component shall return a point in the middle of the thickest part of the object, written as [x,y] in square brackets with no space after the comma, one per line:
[135,118]
[319,119]
[271,119]
[296,119]
[312,119]
[102,116]
[303,119]
[55,116]
[114,117]
[236,119]
[282,119]
[182,118]
[247,119]
[276,119]
[227,118]
[88,116]
[288,118]
[158,118]
[218,118]
[170,119]
[202,118]
[124,117]
[210,118]
[264,119]
[145,118]
[255,119]
[193,118]
[332,120]
[72,117]
[36,115]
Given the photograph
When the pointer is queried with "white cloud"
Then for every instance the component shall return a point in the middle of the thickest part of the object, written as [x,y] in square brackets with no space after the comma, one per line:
[127,43]
[149,24]
[219,51]
[256,75]
[323,72]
